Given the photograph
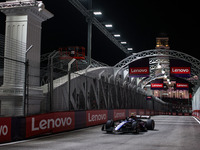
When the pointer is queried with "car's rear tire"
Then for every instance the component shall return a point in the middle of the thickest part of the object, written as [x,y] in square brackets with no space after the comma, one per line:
[109,124]
[150,124]
[135,127]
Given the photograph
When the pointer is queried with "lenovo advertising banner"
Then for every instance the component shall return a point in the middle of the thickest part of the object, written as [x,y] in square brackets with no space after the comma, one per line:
[184,86]
[139,71]
[5,129]
[139,68]
[180,71]
[96,117]
[179,68]
[119,114]
[49,123]
[157,84]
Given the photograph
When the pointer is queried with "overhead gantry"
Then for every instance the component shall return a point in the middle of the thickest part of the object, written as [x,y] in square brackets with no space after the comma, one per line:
[122,66]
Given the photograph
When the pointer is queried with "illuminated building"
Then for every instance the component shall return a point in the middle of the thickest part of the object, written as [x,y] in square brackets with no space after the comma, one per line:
[160,67]
[162,43]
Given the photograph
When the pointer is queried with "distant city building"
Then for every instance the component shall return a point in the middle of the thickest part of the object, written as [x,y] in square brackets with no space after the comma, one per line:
[161,66]
[162,43]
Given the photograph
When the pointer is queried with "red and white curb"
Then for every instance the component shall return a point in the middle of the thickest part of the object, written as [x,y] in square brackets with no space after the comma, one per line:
[196,120]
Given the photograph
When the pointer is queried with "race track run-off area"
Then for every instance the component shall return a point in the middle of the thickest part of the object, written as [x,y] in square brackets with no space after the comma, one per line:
[171,133]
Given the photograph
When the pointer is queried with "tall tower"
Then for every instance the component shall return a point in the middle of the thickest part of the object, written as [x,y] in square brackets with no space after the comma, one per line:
[160,66]
[23,26]
[162,43]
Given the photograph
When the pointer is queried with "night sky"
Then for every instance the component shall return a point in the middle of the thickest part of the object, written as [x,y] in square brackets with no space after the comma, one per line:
[138,21]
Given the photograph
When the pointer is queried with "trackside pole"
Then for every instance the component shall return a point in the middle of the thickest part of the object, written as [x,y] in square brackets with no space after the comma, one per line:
[69,78]
[89,44]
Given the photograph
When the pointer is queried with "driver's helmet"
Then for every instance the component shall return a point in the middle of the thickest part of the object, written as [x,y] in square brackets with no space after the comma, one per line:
[133,115]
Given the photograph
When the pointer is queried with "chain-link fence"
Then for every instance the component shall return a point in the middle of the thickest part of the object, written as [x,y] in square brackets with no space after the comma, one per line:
[88,93]
[90,88]
[25,89]
[2,45]
[12,76]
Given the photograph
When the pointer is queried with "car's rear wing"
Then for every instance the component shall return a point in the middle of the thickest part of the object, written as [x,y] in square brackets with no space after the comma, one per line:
[143,117]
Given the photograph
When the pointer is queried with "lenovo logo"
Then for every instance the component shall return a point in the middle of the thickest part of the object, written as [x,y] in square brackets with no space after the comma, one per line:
[51,123]
[97,117]
[139,70]
[180,70]
[182,85]
[119,115]
[3,130]
[156,85]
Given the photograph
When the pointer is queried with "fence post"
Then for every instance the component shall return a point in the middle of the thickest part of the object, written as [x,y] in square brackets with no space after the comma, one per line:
[86,87]
[26,81]
[26,90]
[51,57]
[69,81]
[86,94]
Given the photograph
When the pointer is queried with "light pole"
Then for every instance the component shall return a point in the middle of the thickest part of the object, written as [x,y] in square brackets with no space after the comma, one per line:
[102,28]
[89,41]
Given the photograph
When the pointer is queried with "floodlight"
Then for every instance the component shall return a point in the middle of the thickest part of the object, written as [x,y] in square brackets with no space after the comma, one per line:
[123,42]
[129,49]
[97,13]
[117,35]
[108,25]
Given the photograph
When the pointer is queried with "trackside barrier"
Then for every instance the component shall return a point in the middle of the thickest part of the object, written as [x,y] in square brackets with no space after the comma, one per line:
[196,113]
[18,128]
[5,129]
[119,114]
[50,123]
[96,117]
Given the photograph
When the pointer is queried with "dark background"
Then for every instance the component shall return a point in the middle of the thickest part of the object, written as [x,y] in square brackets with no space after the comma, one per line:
[138,21]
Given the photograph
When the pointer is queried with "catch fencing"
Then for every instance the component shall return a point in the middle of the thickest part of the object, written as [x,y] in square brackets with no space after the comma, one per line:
[63,89]
[16,75]
[91,88]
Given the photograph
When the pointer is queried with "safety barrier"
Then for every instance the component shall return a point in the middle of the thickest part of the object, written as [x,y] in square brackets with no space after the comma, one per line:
[5,129]
[18,128]
[196,113]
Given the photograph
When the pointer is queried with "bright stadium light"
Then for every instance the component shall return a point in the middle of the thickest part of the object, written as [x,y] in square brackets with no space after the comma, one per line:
[108,25]
[123,42]
[101,26]
[97,13]
[129,49]
[117,35]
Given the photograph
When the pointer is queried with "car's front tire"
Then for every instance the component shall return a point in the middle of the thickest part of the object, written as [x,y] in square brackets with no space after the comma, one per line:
[135,127]
[150,124]
[109,125]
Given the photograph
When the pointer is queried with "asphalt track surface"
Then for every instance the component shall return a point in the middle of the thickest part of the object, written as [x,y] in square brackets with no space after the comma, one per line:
[171,133]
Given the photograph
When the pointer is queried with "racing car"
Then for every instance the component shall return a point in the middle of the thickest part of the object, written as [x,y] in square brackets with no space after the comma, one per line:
[130,124]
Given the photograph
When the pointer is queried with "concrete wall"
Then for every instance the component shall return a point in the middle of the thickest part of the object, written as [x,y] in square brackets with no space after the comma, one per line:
[19,128]
[196,104]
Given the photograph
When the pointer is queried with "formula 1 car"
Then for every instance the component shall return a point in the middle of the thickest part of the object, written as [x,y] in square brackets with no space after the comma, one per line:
[130,124]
